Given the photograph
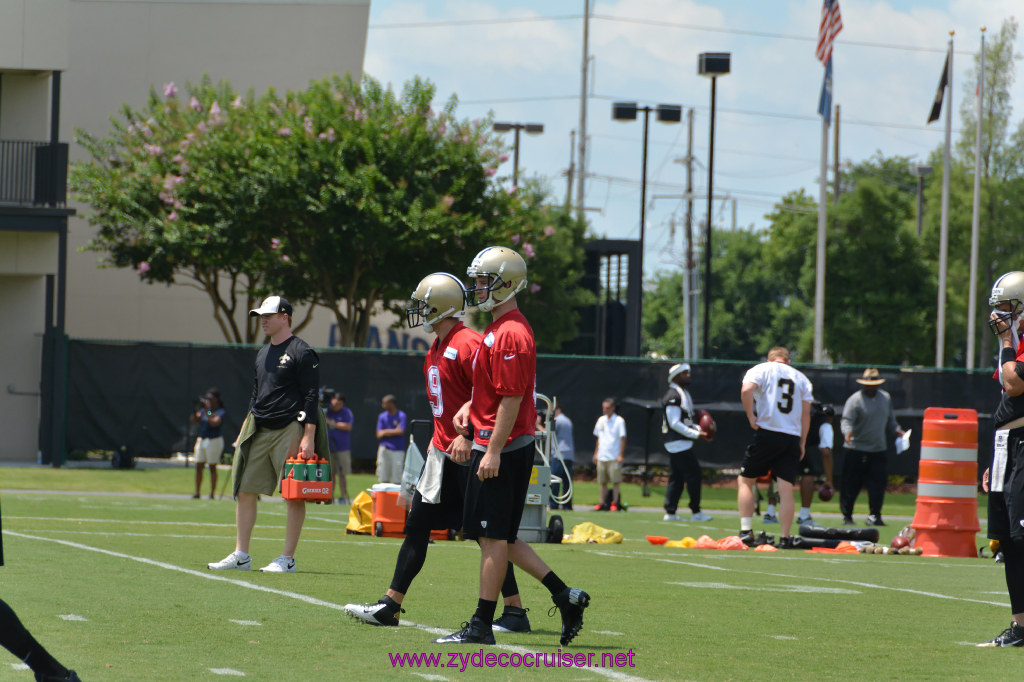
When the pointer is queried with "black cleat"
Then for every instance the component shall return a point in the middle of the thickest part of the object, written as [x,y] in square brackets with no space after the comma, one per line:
[1011,636]
[873,520]
[792,542]
[571,602]
[848,521]
[373,614]
[747,536]
[513,619]
[70,676]
[473,632]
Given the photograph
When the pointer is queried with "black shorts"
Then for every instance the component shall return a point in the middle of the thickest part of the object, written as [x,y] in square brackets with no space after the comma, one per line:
[448,512]
[811,464]
[494,508]
[772,451]
[1006,509]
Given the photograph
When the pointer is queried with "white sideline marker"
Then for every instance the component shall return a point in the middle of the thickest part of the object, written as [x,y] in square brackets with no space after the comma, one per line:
[72,616]
[428,676]
[609,632]
[20,666]
[245,622]
[227,671]
[804,589]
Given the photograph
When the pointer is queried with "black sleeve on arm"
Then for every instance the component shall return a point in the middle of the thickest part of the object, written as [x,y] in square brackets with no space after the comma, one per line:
[309,383]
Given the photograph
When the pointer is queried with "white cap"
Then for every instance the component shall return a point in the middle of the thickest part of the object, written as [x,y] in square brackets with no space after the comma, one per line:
[271,305]
[676,370]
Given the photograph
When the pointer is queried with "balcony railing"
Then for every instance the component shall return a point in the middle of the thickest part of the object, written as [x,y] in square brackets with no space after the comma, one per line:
[33,173]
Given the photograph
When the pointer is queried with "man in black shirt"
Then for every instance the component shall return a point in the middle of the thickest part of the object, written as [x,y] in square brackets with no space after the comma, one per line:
[282,422]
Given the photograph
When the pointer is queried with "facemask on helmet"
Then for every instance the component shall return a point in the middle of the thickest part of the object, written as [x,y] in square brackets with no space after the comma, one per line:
[1008,289]
[506,270]
[436,297]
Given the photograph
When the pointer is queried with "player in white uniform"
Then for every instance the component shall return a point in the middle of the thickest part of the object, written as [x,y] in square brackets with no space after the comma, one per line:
[781,396]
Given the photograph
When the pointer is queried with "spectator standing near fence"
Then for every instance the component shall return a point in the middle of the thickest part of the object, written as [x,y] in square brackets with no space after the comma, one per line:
[609,454]
[777,399]
[391,428]
[284,421]
[868,421]
[817,459]
[209,440]
[562,466]
[339,421]
[680,433]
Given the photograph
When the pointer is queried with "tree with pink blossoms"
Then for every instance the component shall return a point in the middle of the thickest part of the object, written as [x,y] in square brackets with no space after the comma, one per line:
[342,195]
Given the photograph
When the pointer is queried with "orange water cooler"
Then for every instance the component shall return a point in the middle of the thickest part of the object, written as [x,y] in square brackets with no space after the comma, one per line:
[946,518]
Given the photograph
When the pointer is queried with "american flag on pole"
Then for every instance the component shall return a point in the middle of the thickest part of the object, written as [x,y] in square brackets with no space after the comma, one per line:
[831,25]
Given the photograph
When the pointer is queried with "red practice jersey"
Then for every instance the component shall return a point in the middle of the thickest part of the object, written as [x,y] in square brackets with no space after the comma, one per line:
[448,369]
[506,364]
[1020,355]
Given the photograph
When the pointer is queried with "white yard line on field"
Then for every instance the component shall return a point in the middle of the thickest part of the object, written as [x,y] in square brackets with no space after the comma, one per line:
[603,672]
[746,571]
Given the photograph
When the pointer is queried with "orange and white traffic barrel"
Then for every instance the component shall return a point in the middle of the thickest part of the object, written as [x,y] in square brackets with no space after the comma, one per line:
[946,518]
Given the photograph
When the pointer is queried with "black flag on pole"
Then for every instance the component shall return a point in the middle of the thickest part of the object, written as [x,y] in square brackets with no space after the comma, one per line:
[937,104]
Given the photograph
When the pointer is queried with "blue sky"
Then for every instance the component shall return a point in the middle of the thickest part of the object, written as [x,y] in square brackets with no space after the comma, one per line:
[887,63]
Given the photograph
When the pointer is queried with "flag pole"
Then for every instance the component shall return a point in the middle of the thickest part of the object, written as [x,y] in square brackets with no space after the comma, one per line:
[975,214]
[940,330]
[819,270]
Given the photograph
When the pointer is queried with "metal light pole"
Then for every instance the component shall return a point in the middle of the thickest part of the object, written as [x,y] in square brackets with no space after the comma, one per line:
[666,113]
[711,64]
[920,172]
[530,128]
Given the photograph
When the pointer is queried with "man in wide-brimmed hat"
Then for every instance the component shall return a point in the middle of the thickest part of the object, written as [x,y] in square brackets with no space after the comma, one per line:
[867,420]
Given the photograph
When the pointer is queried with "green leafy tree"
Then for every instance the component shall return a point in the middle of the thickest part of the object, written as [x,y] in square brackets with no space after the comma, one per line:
[879,294]
[343,195]
[1001,225]
[171,198]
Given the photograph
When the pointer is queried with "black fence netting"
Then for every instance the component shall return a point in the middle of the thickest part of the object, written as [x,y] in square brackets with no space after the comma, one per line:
[137,397]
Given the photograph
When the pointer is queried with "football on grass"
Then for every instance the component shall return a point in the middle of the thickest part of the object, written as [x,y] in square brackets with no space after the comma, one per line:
[707,424]
[899,542]
[825,492]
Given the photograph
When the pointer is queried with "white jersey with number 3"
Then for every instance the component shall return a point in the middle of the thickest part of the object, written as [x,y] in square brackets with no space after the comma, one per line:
[779,396]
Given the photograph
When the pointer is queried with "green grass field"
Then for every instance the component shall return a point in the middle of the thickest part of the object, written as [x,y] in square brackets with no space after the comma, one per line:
[116,586]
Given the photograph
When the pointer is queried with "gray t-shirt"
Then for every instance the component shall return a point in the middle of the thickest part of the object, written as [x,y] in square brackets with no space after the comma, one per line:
[869,419]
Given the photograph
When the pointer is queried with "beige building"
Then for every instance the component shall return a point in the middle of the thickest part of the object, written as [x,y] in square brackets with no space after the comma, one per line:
[67,64]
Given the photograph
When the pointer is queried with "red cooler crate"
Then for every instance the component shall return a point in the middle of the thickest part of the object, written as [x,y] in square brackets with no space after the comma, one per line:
[307,480]
[388,511]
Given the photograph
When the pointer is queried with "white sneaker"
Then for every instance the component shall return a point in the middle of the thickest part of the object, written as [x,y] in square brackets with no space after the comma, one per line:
[671,517]
[281,564]
[701,516]
[808,520]
[236,561]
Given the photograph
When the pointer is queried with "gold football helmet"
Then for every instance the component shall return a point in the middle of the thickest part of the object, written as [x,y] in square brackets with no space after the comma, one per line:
[1009,288]
[437,296]
[507,271]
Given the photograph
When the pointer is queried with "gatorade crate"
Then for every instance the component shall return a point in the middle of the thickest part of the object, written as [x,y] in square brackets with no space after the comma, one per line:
[309,480]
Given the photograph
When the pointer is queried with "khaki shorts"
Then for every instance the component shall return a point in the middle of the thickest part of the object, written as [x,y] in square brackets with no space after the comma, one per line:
[341,462]
[209,450]
[609,472]
[390,464]
[267,454]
